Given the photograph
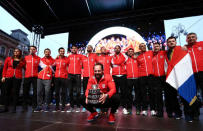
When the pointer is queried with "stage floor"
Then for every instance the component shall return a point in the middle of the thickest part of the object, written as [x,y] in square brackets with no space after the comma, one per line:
[59,121]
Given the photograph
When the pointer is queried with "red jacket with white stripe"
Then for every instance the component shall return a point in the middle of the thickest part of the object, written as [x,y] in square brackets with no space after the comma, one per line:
[118,64]
[131,68]
[106,85]
[32,63]
[196,53]
[46,68]
[61,67]
[74,63]
[105,60]
[158,62]
[144,61]
[9,71]
[88,63]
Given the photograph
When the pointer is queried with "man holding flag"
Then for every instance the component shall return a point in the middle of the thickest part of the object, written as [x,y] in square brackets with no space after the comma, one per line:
[180,76]
[44,80]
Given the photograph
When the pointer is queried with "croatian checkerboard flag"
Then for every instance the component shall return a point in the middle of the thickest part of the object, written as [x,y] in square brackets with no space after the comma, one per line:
[180,75]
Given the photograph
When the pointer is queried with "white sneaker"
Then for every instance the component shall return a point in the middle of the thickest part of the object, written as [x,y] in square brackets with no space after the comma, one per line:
[144,113]
[83,110]
[77,109]
[125,112]
[98,110]
[153,113]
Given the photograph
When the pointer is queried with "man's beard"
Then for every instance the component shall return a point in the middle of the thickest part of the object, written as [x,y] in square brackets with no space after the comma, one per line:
[98,76]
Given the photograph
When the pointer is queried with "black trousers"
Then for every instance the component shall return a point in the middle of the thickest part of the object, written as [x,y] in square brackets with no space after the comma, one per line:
[12,88]
[156,92]
[74,89]
[121,89]
[85,82]
[60,83]
[2,92]
[145,87]
[26,91]
[112,103]
[52,90]
[199,80]
[133,83]
[194,109]
[171,101]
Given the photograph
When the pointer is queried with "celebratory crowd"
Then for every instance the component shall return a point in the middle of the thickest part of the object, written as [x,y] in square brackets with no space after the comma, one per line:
[116,75]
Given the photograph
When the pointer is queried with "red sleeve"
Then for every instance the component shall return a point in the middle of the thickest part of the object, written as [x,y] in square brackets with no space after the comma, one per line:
[68,60]
[112,87]
[5,67]
[88,87]
[23,63]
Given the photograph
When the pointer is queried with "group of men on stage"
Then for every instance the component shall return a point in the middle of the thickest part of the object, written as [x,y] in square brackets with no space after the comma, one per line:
[115,76]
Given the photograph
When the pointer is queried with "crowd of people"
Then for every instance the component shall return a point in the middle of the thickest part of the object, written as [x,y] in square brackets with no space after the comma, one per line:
[115,75]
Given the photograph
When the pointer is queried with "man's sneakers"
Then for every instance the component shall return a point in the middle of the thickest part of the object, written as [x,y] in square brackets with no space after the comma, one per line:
[83,110]
[153,113]
[144,113]
[92,117]
[111,118]
[137,112]
[47,109]
[125,111]
[77,109]
[56,109]
[38,109]
[188,118]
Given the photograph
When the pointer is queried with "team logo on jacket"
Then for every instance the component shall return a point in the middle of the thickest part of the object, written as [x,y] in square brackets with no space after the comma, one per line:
[107,61]
[71,58]
[36,61]
[148,57]
[161,56]
[199,48]
[92,60]
[78,58]
[103,85]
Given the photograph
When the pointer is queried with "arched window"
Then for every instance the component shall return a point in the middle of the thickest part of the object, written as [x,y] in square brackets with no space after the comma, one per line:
[2,50]
[10,53]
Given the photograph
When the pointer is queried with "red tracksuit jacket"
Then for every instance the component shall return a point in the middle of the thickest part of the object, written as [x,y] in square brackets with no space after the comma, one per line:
[9,71]
[88,63]
[196,53]
[74,63]
[32,63]
[47,70]
[131,68]
[61,67]
[118,64]
[105,60]
[158,62]
[144,61]
[106,85]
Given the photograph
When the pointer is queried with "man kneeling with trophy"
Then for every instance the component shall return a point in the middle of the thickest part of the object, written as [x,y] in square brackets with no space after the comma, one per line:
[100,93]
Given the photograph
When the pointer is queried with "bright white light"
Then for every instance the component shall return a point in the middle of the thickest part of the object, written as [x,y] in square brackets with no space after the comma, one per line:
[115,30]
[189,24]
